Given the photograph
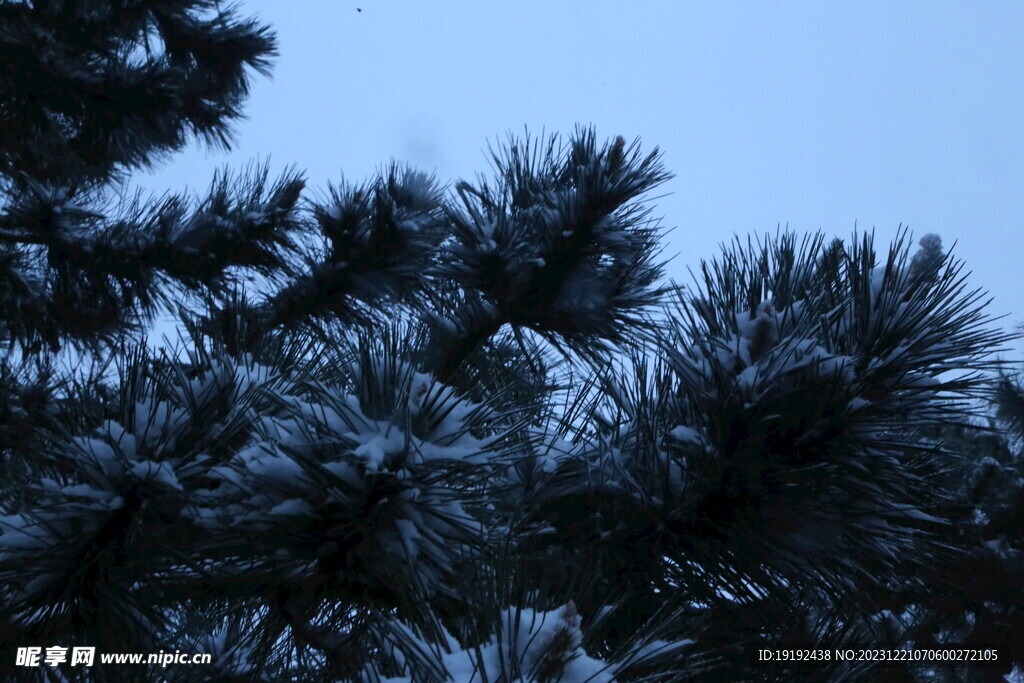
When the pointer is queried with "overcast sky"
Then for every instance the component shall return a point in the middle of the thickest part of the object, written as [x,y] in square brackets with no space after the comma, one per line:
[801,114]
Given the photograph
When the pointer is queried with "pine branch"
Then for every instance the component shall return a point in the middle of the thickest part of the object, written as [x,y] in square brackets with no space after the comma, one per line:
[91,91]
[378,240]
[559,247]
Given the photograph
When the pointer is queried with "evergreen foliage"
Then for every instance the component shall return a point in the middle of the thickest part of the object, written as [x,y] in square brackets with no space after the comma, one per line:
[413,434]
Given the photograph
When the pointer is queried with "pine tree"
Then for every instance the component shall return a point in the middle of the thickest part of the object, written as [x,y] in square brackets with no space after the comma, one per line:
[457,435]
[986,476]
[89,92]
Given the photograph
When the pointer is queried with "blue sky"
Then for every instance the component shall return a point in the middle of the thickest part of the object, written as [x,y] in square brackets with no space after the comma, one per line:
[814,115]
